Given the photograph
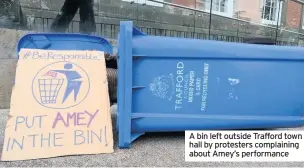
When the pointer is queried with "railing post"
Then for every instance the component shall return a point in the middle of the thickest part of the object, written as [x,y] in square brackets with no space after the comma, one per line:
[278,20]
[194,18]
[210,16]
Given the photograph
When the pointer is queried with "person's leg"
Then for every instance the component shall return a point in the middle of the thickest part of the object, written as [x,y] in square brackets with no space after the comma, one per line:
[66,15]
[87,21]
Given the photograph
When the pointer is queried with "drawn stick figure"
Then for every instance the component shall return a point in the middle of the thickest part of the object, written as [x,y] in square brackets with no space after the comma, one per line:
[72,83]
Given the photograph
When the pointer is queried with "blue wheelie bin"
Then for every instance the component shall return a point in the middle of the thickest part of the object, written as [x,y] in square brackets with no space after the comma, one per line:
[176,84]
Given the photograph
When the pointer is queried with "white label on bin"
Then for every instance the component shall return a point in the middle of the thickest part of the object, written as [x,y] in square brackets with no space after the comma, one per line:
[205,87]
[185,87]
[205,146]
[189,85]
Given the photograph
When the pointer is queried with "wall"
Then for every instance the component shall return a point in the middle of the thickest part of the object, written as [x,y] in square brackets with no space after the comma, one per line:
[293,15]
[164,21]
[249,9]
[8,61]
[188,3]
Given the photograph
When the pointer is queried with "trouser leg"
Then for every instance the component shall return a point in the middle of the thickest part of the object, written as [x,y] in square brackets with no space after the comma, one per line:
[66,15]
[87,20]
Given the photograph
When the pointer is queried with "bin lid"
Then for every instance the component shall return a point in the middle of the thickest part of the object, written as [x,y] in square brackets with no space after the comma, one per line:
[64,41]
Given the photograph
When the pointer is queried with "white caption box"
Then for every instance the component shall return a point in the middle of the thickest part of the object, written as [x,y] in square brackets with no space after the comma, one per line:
[264,146]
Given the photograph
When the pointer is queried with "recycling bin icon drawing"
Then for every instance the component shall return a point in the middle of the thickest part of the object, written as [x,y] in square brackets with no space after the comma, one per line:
[49,89]
[61,85]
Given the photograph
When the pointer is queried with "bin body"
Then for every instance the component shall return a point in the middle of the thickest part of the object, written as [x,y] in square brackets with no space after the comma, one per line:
[176,84]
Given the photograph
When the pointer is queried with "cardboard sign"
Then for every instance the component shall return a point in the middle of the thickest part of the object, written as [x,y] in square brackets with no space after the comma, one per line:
[59,106]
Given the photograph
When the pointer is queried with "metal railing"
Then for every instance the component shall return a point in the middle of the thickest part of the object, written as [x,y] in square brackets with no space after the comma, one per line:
[198,24]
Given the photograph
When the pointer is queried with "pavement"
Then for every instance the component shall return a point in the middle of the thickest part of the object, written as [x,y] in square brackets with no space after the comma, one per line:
[151,150]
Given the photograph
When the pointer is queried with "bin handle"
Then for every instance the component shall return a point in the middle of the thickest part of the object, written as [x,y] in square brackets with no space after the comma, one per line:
[124,89]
